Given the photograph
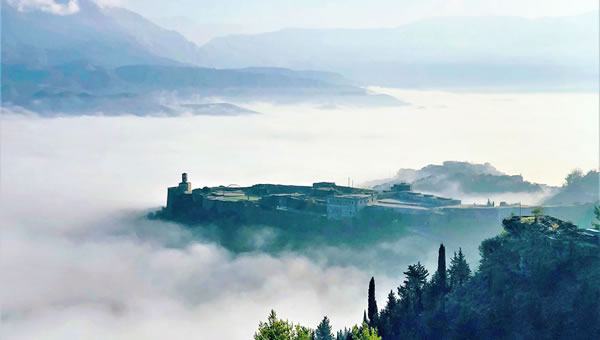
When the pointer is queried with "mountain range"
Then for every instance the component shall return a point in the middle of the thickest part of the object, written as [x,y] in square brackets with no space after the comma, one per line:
[445,52]
[112,61]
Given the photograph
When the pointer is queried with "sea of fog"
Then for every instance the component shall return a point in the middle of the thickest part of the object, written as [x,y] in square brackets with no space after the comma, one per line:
[78,260]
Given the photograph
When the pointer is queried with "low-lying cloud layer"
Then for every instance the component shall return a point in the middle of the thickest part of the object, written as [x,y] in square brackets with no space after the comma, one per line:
[104,282]
[77,261]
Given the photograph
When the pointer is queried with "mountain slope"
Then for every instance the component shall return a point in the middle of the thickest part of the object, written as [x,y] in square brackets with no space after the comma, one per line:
[114,61]
[467,181]
[85,88]
[438,52]
[42,39]
[155,39]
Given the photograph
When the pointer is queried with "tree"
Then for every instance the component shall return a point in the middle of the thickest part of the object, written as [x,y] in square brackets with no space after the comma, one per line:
[372,304]
[441,270]
[411,292]
[323,331]
[459,270]
[274,329]
[537,212]
[392,302]
[364,333]
[573,177]
[388,316]
[596,224]
[303,333]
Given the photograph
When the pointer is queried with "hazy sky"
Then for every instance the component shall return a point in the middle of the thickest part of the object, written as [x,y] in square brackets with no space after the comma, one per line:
[201,20]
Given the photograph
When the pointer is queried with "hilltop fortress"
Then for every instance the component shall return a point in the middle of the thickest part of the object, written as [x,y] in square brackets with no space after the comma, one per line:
[326,204]
[323,199]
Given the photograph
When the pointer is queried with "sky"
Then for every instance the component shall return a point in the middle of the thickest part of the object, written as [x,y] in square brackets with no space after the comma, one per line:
[201,20]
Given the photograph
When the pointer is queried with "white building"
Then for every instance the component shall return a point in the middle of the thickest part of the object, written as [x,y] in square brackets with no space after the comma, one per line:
[346,206]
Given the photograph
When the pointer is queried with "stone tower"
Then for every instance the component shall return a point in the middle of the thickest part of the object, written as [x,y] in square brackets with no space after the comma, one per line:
[177,195]
[184,186]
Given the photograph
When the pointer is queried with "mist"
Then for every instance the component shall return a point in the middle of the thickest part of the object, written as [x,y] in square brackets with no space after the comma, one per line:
[79,260]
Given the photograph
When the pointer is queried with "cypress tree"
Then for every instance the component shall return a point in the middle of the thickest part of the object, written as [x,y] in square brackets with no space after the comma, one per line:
[441,270]
[365,317]
[372,306]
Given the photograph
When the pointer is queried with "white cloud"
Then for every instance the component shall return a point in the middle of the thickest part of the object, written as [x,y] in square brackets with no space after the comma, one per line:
[50,6]
[117,278]
[73,267]
[109,3]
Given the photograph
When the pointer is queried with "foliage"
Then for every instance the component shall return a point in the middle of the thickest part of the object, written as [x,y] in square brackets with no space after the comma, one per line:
[459,270]
[411,292]
[537,212]
[276,329]
[596,224]
[441,275]
[365,333]
[323,331]
[535,281]
[372,303]
[573,177]
[578,188]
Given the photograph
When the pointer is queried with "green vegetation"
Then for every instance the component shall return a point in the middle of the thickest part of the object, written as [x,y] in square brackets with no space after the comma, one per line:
[538,280]
[372,304]
[276,329]
[459,270]
[537,212]
[578,188]
[596,223]
[323,331]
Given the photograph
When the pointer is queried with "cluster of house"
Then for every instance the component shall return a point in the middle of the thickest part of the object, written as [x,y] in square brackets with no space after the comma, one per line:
[323,198]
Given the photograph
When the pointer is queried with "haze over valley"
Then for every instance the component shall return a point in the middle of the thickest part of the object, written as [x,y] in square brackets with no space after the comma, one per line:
[104,108]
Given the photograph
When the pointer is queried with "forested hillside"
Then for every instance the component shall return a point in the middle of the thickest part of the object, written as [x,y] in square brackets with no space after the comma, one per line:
[578,188]
[537,279]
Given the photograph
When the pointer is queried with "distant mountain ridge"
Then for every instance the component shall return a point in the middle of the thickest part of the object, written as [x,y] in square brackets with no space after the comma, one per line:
[83,88]
[468,181]
[451,52]
[111,61]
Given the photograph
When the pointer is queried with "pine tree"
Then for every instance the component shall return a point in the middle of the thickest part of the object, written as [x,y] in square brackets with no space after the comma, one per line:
[459,270]
[388,316]
[411,292]
[391,302]
[274,329]
[323,331]
[372,305]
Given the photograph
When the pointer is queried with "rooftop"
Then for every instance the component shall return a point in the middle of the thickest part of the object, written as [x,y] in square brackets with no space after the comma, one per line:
[353,196]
